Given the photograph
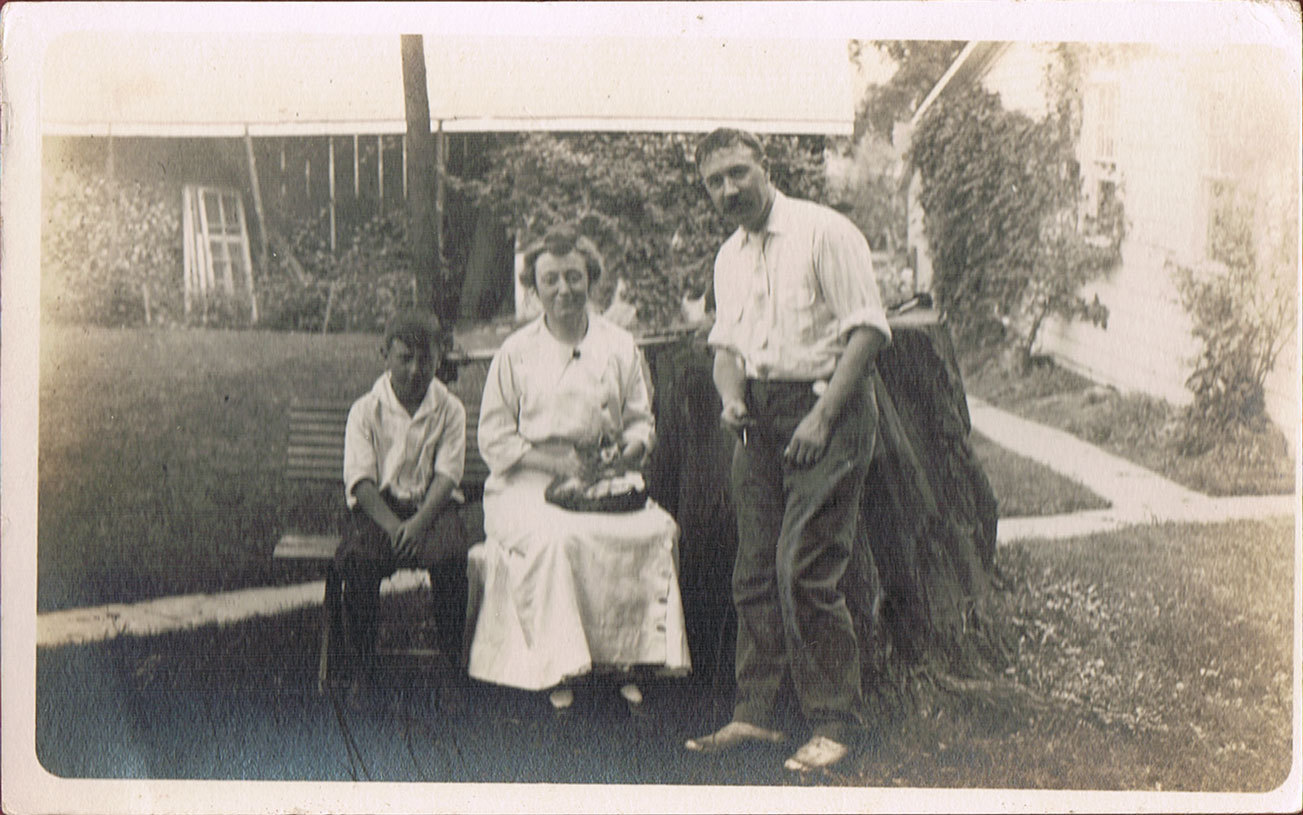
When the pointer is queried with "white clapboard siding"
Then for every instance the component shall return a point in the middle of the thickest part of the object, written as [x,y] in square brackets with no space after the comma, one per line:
[1018,75]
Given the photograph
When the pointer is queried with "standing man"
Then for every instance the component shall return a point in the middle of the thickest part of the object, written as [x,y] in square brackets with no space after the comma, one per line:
[798,324]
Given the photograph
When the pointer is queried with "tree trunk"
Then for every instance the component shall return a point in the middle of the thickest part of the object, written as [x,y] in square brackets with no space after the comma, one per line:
[925,549]
[489,267]
[422,231]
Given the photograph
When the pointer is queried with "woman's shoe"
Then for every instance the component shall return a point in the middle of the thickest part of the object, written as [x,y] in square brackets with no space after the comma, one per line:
[561,699]
[631,694]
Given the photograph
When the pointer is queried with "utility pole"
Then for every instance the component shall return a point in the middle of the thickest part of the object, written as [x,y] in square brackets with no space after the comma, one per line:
[423,232]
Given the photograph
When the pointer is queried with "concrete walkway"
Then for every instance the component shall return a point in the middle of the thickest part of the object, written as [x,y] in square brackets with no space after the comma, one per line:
[1137,495]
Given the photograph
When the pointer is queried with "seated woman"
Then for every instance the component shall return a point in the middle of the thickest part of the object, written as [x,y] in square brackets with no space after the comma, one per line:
[565,591]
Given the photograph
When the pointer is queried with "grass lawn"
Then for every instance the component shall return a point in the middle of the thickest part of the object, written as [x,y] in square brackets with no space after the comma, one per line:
[1025,487]
[1159,658]
[1141,429]
[161,453]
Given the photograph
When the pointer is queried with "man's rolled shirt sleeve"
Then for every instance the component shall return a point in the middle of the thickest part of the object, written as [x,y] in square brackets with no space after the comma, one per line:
[844,267]
[728,313]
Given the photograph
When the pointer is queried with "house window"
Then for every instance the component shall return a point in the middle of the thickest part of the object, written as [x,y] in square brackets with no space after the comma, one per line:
[1105,119]
[1101,183]
[215,248]
[1229,229]
[1228,202]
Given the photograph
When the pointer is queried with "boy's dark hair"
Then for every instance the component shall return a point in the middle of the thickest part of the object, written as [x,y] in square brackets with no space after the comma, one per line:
[722,138]
[420,328]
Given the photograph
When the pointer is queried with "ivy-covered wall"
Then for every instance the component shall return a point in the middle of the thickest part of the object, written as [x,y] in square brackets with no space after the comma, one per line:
[1186,140]
[1000,195]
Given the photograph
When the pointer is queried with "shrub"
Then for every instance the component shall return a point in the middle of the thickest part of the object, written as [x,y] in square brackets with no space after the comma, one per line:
[638,196]
[104,244]
[1242,313]
[1000,195]
[370,277]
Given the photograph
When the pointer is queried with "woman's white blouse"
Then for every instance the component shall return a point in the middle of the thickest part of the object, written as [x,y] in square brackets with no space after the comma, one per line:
[540,390]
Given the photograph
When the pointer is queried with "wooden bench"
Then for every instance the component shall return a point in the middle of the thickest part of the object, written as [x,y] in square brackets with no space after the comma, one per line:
[314,457]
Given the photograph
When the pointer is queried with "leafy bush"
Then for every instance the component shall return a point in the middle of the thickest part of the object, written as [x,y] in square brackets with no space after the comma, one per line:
[370,277]
[638,195]
[104,244]
[1000,193]
[1242,313]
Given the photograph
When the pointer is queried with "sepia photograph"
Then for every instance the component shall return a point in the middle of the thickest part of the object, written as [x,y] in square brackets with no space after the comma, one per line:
[650,407]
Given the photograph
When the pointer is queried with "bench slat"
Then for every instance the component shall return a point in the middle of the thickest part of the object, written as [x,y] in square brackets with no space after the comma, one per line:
[298,429]
[321,442]
[321,404]
[315,454]
[307,547]
[335,464]
[315,474]
[315,470]
[339,415]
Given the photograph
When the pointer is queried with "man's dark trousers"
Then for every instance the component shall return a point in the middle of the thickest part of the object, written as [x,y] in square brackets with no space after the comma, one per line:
[796,527]
[365,558]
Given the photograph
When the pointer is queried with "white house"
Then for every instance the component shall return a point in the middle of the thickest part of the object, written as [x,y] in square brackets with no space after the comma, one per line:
[1178,136]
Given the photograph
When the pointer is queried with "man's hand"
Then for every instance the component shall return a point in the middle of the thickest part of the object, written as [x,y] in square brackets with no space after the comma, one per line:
[808,440]
[735,417]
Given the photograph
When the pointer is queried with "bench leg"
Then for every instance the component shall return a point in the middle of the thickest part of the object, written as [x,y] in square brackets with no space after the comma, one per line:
[332,611]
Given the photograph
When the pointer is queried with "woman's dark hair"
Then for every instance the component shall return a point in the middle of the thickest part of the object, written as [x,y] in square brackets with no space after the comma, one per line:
[562,240]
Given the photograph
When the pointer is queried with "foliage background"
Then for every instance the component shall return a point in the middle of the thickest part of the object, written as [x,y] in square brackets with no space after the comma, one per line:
[999,192]
[638,196]
[101,242]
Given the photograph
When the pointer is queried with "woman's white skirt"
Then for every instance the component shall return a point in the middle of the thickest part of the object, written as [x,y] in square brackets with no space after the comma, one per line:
[567,591]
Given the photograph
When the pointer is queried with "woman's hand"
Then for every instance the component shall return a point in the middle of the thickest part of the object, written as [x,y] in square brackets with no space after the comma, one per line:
[634,455]
[568,464]
[565,463]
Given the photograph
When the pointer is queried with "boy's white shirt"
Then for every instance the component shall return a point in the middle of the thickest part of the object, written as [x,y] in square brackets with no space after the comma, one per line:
[401,453]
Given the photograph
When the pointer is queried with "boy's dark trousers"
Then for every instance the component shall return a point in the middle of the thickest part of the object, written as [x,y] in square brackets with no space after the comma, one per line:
[365,558]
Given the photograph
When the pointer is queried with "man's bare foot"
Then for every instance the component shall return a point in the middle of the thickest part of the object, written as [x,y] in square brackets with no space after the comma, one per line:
[733,735]
[819,753]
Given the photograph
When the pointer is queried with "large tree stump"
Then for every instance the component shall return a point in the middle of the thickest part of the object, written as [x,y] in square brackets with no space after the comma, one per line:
[925,550]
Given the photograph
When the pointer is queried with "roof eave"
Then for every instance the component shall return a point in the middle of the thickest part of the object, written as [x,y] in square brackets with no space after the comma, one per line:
[966,68]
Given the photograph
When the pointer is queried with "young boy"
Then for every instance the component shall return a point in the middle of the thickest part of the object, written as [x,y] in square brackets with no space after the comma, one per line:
[404,453]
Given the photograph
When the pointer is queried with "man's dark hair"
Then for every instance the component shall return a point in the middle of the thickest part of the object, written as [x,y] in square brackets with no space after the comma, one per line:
[722,138]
